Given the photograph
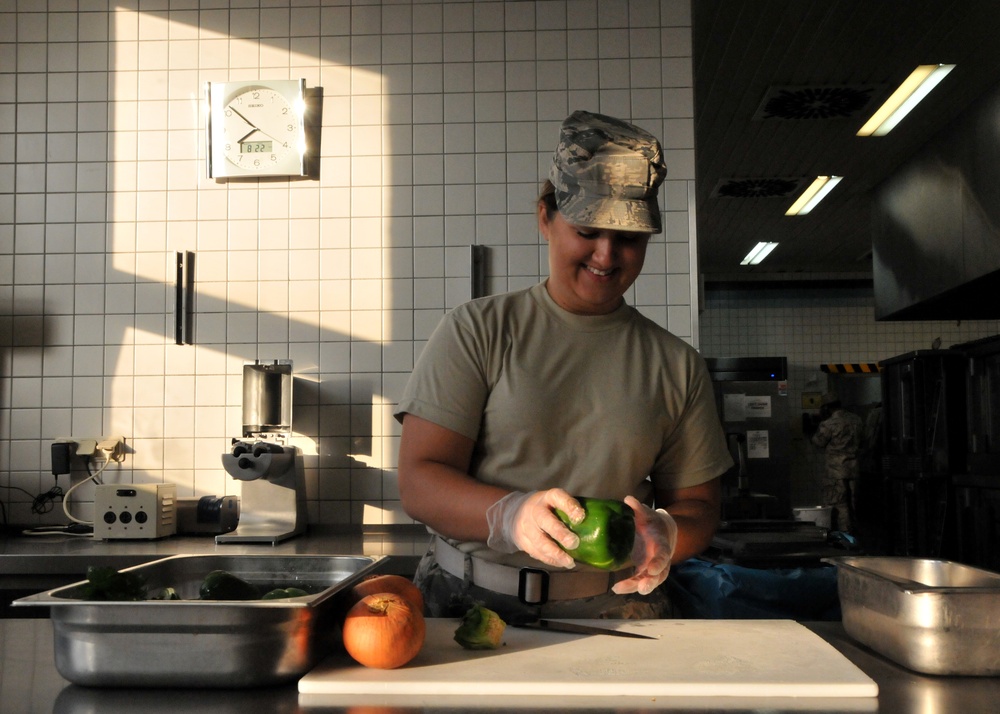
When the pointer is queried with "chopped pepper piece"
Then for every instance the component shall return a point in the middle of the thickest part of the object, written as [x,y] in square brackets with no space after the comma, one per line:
[607,533]
[480,629]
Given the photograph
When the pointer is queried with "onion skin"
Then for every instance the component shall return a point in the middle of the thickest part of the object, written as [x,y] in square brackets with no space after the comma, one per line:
[389,584]
[383,631]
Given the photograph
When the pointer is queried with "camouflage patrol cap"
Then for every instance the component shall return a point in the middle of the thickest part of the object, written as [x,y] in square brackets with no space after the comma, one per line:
[607,173]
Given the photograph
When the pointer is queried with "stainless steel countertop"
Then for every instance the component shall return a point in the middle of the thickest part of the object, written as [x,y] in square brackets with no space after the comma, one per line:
[29,682]
[70,555]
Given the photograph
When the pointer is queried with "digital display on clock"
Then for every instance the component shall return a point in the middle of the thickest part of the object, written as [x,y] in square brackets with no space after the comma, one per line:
[255,147]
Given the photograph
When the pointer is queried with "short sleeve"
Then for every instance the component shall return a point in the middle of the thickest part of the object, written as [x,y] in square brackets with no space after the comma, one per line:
[448,385]
[695,450]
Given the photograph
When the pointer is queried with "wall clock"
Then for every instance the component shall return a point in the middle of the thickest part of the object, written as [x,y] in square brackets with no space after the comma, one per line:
[255,128]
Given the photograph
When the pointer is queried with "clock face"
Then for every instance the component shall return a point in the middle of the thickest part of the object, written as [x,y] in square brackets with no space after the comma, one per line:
[261,129]
[256,129]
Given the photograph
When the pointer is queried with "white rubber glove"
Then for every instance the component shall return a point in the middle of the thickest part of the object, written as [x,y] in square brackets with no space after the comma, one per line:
[526,522]
[655,542]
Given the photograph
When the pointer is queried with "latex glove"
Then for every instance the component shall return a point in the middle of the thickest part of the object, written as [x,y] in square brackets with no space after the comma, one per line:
[655,542]
[526,522]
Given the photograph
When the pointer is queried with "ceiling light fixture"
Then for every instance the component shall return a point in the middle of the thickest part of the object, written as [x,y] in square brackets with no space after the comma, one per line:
[759,252]
[913,89]
[815,193]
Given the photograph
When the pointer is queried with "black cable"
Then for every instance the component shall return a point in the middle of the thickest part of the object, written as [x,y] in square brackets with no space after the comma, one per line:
[42,502]
[72,529]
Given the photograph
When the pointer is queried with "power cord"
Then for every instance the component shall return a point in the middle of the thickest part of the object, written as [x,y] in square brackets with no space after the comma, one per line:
[109,456]
[73,529]
[42,502]
[45,502]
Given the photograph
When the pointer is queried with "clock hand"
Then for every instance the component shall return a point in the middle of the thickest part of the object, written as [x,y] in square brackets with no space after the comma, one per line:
[253,130]
[241,116]
[279,142]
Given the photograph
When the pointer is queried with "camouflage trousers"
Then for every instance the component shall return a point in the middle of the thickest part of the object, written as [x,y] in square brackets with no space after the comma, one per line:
[836,493]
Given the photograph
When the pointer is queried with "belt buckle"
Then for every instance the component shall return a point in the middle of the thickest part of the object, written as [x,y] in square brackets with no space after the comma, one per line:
[533,586]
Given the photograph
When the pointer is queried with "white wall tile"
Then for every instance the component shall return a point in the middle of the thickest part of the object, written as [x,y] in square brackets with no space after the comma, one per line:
[438,120]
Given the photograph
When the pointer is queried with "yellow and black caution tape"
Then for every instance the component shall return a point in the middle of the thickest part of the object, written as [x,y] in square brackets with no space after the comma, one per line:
[862,368]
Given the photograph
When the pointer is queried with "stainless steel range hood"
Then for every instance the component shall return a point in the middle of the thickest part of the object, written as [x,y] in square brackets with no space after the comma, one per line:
[936,226]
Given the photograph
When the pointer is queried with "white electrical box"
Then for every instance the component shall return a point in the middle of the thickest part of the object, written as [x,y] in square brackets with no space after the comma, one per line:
[140,511]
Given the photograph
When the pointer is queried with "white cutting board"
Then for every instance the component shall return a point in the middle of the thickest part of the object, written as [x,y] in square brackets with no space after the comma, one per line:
[689,658]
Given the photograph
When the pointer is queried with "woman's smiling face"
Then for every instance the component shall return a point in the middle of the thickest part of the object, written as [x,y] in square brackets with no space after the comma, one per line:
[590,268]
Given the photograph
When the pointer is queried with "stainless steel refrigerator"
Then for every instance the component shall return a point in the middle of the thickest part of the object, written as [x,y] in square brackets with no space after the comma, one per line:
[752,398]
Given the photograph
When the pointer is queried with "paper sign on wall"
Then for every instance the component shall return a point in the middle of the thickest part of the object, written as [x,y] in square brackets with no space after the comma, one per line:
[758,406]
[734,407]
[758,444]
[740,407]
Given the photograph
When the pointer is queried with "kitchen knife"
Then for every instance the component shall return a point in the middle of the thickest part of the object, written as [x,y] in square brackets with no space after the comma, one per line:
[576,628]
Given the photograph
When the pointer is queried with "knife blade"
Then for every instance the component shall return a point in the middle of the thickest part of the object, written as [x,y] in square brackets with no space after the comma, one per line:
[577,628]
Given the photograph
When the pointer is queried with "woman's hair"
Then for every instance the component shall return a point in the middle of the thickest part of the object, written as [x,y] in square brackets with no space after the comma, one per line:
[547,198]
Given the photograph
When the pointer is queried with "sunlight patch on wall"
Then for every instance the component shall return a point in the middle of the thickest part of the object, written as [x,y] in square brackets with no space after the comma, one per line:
[161,200]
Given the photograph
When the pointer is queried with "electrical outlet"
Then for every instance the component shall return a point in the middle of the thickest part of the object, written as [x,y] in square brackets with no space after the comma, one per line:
[85,447]
[811,400]
[113,446]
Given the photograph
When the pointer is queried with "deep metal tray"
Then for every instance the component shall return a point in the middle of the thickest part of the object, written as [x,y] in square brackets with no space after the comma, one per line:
[200,643]
[933,616]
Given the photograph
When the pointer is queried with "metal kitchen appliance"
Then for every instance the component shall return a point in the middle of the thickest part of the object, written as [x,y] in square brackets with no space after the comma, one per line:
[207,514]
[752,398]
[977,491]
[135,511]
[757,528]
[924,440]
[269,467]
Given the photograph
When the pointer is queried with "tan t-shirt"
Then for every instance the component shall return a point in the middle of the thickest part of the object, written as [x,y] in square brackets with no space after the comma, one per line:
[601,406]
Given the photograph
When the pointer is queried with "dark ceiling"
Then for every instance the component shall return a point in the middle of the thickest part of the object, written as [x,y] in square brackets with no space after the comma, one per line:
[823,60]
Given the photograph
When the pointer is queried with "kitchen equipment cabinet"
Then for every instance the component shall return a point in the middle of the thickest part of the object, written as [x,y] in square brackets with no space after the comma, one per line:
[982,387]
[923,412]
[977,521]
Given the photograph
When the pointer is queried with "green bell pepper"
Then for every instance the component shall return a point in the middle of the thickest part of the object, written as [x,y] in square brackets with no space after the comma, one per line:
[223,585]
[106,583]
[607,533]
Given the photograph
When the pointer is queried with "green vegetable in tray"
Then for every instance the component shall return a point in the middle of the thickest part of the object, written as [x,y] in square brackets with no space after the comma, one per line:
[107,584]
[607,533]
[223,585]
[282,593]
[480,629]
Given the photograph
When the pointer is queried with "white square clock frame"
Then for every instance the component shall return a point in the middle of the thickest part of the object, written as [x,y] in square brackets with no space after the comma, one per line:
[256,128]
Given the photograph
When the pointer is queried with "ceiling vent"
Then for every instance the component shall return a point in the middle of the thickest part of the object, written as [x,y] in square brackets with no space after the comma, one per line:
[757,187]
[833,102]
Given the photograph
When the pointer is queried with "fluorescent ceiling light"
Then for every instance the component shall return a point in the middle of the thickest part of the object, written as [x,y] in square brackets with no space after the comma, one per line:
[759,252]
[815,193]
[913,89]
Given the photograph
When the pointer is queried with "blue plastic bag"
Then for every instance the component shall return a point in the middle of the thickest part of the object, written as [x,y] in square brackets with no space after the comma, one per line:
[703,590]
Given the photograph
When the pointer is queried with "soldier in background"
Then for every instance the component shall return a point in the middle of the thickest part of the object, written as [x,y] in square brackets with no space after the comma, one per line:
[839,432]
